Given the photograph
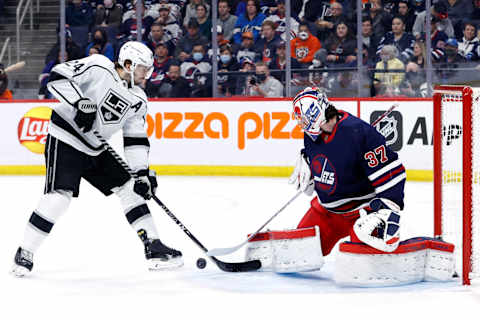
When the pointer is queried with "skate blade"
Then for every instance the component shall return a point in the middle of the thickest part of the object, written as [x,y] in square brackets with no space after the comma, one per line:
[170,264]
[19,271]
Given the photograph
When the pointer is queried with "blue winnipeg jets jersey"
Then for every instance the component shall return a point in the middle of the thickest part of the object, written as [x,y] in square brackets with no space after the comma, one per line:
[353,165]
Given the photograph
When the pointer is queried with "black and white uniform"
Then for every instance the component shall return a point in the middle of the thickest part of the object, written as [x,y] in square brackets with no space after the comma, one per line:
[71,154]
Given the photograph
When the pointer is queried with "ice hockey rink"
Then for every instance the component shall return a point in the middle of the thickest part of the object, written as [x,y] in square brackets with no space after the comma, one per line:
[92,265]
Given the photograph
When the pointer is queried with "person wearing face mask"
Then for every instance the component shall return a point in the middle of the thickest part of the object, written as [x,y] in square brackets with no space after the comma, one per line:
[388,61]
[100,40]
[262,84]
[446,72]
[304,46]
[227,83]
[185,44]
[109,15]
[198,63]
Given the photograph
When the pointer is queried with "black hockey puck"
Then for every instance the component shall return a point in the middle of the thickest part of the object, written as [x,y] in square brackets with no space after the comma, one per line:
[201,263]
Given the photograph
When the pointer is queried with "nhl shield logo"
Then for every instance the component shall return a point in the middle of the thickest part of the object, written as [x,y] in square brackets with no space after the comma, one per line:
[390,127]
[113,107]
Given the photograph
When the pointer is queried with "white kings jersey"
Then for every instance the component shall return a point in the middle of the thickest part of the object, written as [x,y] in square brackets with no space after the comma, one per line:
[119,107]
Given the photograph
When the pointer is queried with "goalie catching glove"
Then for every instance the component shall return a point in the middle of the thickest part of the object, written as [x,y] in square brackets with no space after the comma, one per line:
[380,229]
[86,114]
[301,177]
[146,184]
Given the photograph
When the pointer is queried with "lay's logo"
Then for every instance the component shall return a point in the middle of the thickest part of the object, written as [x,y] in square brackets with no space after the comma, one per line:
[33,129]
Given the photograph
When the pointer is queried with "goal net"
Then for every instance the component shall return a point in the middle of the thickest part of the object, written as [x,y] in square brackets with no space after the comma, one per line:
[457,174]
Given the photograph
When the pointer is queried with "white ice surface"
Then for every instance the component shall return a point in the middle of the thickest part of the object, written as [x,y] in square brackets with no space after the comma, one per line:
[92,265]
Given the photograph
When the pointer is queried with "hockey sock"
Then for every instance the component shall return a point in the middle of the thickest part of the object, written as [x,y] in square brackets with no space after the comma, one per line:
[50,207]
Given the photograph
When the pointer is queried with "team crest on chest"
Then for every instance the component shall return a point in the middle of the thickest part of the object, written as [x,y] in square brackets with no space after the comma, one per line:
[324,174]
[113,107]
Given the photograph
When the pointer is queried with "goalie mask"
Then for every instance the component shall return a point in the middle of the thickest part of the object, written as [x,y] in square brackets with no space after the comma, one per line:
[309,108]
[139,55]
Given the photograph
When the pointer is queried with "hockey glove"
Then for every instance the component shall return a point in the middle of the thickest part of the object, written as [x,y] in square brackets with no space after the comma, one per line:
[381,228]
[86,113]
[301,177]
[146,184]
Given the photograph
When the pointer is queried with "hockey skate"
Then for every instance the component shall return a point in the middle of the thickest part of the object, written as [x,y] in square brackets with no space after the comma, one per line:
[158,255]
[23,263]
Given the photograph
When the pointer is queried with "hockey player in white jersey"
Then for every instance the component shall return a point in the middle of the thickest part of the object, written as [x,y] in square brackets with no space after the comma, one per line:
[96,94]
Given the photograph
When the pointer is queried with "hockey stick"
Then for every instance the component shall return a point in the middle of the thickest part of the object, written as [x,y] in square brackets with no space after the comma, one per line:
[383,115]
[225,266]
[225,251]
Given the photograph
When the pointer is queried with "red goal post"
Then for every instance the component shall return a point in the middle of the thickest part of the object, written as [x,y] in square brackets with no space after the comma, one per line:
[456,146]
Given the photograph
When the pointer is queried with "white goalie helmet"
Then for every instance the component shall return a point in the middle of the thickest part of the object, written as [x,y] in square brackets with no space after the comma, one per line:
[138,54]
[309,107]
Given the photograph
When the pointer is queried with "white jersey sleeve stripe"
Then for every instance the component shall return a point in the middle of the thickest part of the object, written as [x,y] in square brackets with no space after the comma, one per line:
[391,183]
[383,170]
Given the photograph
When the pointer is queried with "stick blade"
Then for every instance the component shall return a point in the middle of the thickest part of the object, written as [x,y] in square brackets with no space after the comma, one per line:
[246,266]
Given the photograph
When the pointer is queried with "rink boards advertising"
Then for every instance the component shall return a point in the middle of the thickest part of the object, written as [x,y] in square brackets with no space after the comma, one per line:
[248,137]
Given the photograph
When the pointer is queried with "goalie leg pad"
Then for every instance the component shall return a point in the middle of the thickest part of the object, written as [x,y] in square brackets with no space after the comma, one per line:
[415,260]
[287,251]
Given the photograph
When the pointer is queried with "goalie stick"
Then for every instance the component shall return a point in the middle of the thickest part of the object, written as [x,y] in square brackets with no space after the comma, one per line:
[225,251]
[225,266]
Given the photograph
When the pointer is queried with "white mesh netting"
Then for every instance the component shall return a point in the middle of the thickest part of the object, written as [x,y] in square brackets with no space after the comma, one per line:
[452,173]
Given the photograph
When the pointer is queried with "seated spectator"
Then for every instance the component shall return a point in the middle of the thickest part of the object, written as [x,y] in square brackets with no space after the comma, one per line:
[398,37]
[227,83]
[458,11]
[250,21]
[438,39]
[439,10]
[418,6]
[370,41]
[170,24]
[175,8]
[183,50]
[128,29]
[381,19]
[226,20]
[221,42]
[266,46]
[198,63]
[418,59]
[157,36]
[243,81]
[408,15]
[73,51]
[100,40]
[446,72]
[325,25]
[304,46]
[279,62]
[388,61]
[44,77]
[204,22]
[281,25]
[191,10]
[175,86]
[264,85]
[161,64]
[339,48]
[415,74]
[109,15]
[246,48]
[469,42]
[78,13]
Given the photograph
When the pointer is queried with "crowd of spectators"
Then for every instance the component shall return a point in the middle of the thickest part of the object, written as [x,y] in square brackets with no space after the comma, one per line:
[251,36]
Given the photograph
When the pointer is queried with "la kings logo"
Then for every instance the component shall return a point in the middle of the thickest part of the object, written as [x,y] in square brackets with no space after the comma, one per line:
[390,127]
[113,107]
